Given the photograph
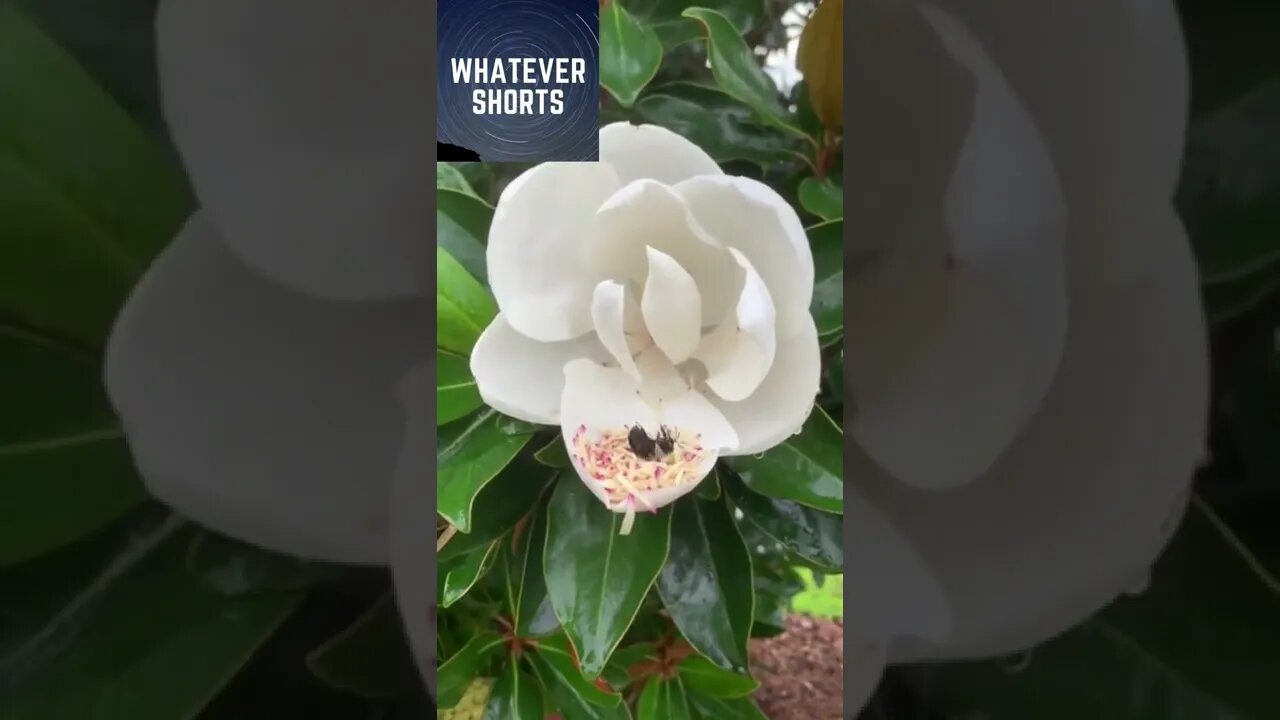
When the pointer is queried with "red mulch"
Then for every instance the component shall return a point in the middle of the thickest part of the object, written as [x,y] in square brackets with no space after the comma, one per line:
[801,671]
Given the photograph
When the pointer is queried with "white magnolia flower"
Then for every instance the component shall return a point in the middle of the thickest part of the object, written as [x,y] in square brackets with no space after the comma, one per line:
[646,297]
[1027,356]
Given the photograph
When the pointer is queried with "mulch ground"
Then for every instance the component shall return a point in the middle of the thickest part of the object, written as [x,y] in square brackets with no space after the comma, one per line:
[801,671]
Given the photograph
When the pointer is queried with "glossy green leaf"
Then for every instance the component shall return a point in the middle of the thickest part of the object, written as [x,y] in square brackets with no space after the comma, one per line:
[456,393]
[713,708]
[663,699]
[462,229]
[117,627]
[460,574]
[630,53]
[496,509]
[616,671]
[706,583]
[702,676]
[709,488]
[1199,643]
[824,198]
[463,306]
[515,696]
[449,177]
[722,126]
[455,674]
[557,654]
[527,599]
[744,14]
[554,454]
[1225,302]
[827,242]
[371,657]
[89,198]
[737,71]
[55,426]
[468,456]
[814,535]
[807,468]
[597,578]
[569,704]
[232,568]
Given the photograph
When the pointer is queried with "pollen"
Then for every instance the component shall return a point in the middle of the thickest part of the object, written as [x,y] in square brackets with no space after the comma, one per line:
[607,459]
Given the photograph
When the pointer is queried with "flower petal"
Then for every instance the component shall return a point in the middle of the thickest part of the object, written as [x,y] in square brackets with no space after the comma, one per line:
[536,248]
[974,326]
[752,217]
[600,399]
[652,152]
[412,548]
[329,197]
[524,378]
[1107,83]
[672,307]
[609,313]
[262,414]
[739,352]
[779,407]
[647,214]
[1091,493]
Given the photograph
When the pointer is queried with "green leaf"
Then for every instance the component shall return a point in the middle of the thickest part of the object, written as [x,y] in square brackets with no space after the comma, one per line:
[808,468]
[827,242]
[596,578]
[811,534]
[712,708]
[469,455]
[456,393]
[371,657]
[449,177]
[1225,302]
[663,699]
[745,15]
[703,676]
[556,653]
[460,574]
[569,704]
[462,227]
[554,454]
[455,674]
[622,659]
[463,306]
[497,508]
[55,424]
[526,586]
[824,198]
[706,582]
[737,71]
[630,53]
[515,696]
[232,568]
[722,126]
[89,199]
[1199,643]
[709,488]
[118,628]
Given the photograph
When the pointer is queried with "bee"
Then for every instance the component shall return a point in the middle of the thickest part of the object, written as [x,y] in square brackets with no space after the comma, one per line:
[649,448]
[641,444]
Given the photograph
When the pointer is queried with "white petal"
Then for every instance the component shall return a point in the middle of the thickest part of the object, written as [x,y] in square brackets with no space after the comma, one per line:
[672,307]
[1090,494]
[651,152]
[647,214]
[781,405]
[959,342]
[412,524]
[1107,83]
[609,314]
[535,254]
[598,398]
[301,126]
[524,378]
[739,353]
[263,414]
[752,217]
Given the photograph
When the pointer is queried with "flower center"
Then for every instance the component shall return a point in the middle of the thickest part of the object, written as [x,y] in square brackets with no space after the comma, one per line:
[609,458]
